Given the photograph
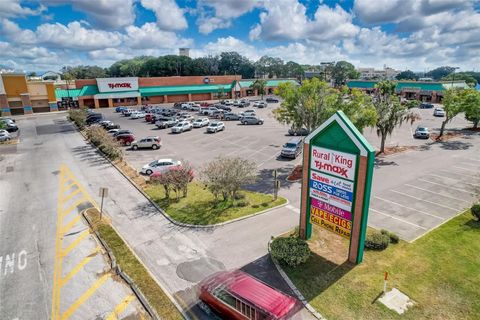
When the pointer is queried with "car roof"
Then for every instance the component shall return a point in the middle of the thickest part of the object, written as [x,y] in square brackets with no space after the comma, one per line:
[165,160]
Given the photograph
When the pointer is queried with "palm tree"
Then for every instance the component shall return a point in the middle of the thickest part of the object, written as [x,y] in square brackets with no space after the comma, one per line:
[260,86]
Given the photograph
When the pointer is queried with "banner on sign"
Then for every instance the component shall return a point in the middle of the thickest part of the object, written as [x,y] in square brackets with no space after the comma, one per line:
[333,162]
[330,226]
[331,199]
[331,209]
[332,218]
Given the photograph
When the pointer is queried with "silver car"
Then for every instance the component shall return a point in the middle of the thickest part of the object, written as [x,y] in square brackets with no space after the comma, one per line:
[214,127]
[148,142]
[182,126]
[201,122]
[251,120]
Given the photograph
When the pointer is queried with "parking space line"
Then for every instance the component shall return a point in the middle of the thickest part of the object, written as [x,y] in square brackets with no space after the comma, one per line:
[439,184]
[470,164]
[462,168]
[67,314]
[79,266]
[419,199]
[463,175]
[120,307]
[399,219]
[261,164]
[442,195]
[416,210]
[443,177]
[75,242]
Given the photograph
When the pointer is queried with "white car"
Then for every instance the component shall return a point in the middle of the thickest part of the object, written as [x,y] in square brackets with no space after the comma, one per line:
[228,102]
[439,112]
[260,104]
[137,115]
[214,127]
[185,106]
[4,136]
[182,126]
[249,112]
[201,122]
[160,165]
[113,131]
[195,107]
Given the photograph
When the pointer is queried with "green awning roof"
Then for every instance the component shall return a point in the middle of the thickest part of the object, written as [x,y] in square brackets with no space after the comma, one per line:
[422,86]
[193,89]
[270,83]
[75,93]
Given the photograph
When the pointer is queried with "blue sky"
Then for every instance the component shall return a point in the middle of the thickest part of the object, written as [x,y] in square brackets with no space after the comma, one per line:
[403,34]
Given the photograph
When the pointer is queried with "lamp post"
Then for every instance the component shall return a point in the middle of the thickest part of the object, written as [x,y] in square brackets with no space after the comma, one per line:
[453,75]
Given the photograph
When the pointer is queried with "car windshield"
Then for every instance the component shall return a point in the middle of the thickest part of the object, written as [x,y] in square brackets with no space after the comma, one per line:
[421,129]
[151,164]
[290,145]
[213,124]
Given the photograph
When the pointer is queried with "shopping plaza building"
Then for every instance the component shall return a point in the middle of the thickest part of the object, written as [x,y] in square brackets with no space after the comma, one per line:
[413,90]
[112,92]
[19,96]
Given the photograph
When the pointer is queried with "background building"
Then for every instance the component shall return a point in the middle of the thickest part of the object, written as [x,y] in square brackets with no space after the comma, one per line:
[184,52]
[412,90]
[373,74]
[19,96]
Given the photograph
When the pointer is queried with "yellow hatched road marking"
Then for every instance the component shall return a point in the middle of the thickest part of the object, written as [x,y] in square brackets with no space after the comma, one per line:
[70,185]
[71,195]
[67,314]
[75,242]
[70,225]
[73,206]
[79,266]
[120,307]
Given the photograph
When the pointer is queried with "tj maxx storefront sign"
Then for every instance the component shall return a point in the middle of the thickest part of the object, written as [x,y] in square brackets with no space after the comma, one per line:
[117,84]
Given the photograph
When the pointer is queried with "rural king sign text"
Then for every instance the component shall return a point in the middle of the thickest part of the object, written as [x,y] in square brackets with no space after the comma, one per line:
[120,85]
[337,163]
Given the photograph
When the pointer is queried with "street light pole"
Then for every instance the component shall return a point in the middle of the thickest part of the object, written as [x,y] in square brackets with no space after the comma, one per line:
[453,75]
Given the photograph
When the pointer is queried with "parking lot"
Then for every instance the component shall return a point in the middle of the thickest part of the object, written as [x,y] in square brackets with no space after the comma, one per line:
[260,143]
[413,192]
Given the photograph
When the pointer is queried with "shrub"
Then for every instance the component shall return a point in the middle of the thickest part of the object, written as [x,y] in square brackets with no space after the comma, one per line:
[107,144]
[242,204]
[239,196]
[475,209]
[291,251]
[377,240]
[78,116]
[392,236]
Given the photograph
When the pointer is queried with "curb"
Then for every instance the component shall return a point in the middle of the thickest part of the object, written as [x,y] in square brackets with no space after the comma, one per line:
[173,221]
[297,292]
[113,265]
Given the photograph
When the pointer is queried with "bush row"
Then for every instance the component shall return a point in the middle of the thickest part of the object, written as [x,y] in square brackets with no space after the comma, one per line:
[106,143]
[78,116]
[379,240]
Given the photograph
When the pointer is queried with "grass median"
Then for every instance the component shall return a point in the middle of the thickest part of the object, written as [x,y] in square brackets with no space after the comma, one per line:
[200,207]
[133,268]
[440,272]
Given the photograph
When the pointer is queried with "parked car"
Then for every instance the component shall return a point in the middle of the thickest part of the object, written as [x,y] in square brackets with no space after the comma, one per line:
[260,104]
[108,125]
[421,133]
[244,104]
[137,115]
[194,108]
[94,118]
[5,136]
[298,132]
[182,126]
[223,107]
[119,109]
[231,116]
[271,100]
[160,165]
[163,123]
[148,142]
[237,295]
[251,120]
[227,102]
[425,105]
[201,122]
[187,117]
[249,112]
[208,111]
[113,131]
[149,117]
[10,125]
[215,127]
[125,138]
[292,148]
[218,114]
[438,112]
[127,112]
[122,131]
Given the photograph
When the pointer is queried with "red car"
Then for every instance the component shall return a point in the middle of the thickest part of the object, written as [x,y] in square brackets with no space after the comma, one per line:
[149,116]
[239,296]
[125,139]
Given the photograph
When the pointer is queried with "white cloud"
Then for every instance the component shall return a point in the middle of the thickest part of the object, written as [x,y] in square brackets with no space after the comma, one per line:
[169,15]
[287,20]
[219,14]
[13,8]
[150,36]
[227,44]
[107,13]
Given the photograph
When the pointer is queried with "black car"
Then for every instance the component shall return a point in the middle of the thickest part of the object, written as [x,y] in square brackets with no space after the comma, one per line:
[272,100]
[10,126]
[298,132]
[426,106]
[94,118]
[223,107]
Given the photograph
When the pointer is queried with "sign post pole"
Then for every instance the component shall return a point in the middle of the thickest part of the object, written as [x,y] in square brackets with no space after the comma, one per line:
[103,192]
[275,189]
[337,177]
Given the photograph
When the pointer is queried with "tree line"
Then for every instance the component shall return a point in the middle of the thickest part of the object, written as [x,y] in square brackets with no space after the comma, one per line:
[313,102]
[444,73]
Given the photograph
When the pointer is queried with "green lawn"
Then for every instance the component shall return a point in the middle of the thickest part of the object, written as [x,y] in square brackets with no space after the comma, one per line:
[134,269]
[440,271]
[200,208]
